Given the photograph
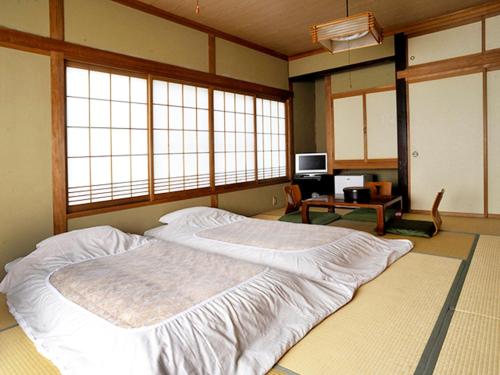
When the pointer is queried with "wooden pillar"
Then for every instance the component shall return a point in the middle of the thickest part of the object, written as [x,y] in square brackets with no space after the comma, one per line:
[329,123]
[57,84]
[400,48]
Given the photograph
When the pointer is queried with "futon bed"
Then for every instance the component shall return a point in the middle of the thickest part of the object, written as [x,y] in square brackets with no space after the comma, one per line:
[100,301]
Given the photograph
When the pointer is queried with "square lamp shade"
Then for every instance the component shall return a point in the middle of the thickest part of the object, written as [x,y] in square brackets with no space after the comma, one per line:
[359,30]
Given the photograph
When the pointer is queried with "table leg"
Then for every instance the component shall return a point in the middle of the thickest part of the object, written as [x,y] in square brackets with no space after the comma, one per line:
[399,212]
[331,209]
[305,213]
[380,229]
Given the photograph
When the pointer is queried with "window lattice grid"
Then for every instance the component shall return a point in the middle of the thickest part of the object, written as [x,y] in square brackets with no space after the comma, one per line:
[106,127]
[271,138]
[234,138]
[180,137]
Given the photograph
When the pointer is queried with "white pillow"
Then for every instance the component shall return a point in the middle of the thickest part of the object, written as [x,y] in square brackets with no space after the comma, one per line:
[11,264]
[191,213]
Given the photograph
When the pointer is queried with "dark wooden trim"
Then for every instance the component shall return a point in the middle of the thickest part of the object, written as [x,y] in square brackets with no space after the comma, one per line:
[214,200]
[400,48]
[290,136]
[367,164]
[485,143]
[78,53]
[146,8]
[177,196]
[56,17]
[211,140]
[451,67]
[211,54]
[322,73]
[329,130]
[59,182]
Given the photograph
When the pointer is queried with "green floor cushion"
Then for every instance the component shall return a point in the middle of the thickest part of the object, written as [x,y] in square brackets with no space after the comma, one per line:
[319,218]
[417,228]
[368,214]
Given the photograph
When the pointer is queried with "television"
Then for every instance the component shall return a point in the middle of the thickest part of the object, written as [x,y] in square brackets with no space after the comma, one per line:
[310,164]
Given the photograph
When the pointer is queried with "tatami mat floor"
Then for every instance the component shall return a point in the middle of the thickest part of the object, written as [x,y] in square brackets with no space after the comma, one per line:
[387,326]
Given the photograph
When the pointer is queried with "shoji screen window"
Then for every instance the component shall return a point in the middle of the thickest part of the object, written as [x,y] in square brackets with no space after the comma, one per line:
[180,134]
[107,140]
[234,138]
[271,139]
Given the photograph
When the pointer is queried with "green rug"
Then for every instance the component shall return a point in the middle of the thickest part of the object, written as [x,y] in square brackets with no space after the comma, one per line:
[319,218]
[368,214]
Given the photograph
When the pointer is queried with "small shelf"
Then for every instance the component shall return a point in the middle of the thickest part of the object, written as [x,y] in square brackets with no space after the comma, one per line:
[366,164]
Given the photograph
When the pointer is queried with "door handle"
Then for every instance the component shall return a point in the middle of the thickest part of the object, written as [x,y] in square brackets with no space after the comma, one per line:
[414,154]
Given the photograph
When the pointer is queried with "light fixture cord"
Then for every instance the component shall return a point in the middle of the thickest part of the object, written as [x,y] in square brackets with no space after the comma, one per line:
[197,10]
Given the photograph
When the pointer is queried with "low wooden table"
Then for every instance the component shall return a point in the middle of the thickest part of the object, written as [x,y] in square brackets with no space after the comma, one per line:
[331,201]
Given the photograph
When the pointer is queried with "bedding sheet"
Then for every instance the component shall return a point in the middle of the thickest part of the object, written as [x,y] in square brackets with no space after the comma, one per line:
[313,251]
[99,301]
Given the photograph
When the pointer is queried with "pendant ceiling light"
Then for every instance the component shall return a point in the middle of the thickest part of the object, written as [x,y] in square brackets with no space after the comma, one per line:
[351,32]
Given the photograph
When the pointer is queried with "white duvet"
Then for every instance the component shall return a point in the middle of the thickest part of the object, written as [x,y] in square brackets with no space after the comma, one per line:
[242,330]
[313,251]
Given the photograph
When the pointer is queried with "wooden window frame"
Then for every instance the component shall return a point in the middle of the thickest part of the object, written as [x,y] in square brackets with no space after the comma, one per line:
[87,209]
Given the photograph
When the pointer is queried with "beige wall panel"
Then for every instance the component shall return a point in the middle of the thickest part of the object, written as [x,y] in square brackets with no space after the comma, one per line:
[359,79]
[348,128]
[236,61]
[381,119]
[493,32]
[110,26]
[325,61]
[303,117]
[25,164]
[446,129]
[320,115]
[31,16]
[136,220]
[494,142]
[457,41]
[253,201]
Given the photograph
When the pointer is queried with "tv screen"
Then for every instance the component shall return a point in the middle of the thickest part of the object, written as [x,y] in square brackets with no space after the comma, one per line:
[310,163]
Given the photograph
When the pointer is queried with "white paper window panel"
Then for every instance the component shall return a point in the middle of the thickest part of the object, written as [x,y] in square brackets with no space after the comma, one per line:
[494,142]
[492,32]
[454,42]
[446,129]
[382,125]
[348,128]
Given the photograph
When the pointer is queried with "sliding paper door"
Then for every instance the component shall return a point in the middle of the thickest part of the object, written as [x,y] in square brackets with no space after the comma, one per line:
[494,142]
[446,143]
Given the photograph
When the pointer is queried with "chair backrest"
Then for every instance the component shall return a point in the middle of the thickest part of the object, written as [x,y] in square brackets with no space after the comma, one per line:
[293,198]
[436,217]
[379,188]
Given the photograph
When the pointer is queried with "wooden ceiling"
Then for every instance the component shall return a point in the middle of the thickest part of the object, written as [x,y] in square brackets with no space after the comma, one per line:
[283,25]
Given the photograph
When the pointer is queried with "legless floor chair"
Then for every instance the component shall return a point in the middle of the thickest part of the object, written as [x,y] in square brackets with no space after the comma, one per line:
[292,211]
[418,228]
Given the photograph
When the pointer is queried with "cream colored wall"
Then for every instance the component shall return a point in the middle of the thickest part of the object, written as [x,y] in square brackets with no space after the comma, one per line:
[236,61]
[493,32]
[445,44]
[381,124]
[494,142]
[136,220]
[325,61]
[364,78]
[31,16]
[110,26]
[254,201]
[25,152]
[304,117]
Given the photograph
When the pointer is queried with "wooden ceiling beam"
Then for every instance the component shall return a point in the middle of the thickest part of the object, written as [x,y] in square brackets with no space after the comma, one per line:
[146,8]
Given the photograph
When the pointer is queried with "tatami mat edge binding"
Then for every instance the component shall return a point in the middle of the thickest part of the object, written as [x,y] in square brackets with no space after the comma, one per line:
[432,350]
